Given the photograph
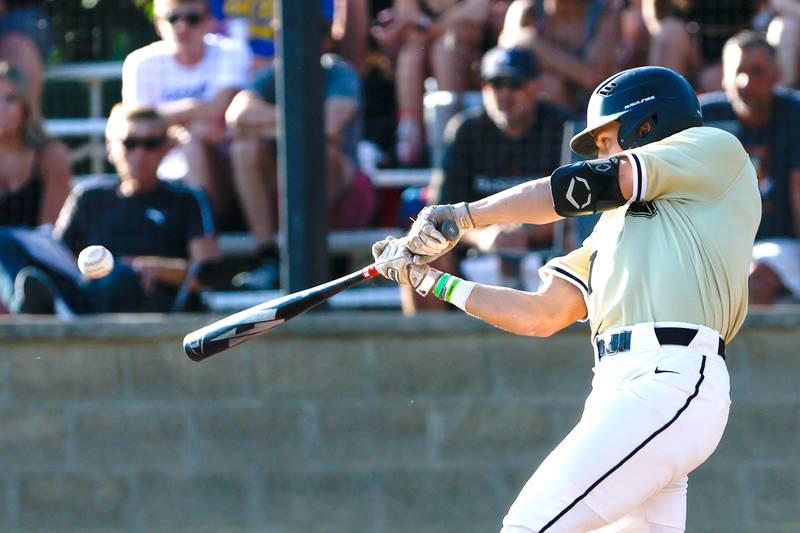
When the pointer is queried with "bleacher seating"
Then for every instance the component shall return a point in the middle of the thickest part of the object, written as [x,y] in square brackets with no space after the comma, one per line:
[354,243]
[91,128]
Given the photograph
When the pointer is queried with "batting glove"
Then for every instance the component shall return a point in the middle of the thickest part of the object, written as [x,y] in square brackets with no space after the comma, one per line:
[394,261]
[426,242]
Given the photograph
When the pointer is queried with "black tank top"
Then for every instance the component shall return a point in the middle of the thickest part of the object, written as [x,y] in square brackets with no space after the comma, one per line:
[21,207]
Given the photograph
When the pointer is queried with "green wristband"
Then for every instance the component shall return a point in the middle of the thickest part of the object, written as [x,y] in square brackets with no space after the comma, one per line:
[454,281]
[437,291]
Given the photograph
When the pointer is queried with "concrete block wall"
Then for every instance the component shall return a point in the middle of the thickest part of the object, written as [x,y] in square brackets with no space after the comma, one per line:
[343,423]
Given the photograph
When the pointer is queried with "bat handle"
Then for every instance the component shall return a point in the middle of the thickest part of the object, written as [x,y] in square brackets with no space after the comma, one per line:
[448,229]
[369,271]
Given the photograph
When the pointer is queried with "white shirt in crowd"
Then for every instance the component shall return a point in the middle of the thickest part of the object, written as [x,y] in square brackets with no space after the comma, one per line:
[151,75]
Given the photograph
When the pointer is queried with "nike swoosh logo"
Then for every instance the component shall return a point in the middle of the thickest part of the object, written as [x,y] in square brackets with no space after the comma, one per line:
[658,371]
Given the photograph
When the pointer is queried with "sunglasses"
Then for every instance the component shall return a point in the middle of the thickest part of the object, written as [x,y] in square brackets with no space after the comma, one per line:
[511,83]
[192,18]
[148,143]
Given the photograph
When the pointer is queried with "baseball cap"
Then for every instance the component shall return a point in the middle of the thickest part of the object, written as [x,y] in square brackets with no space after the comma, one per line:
[509,63]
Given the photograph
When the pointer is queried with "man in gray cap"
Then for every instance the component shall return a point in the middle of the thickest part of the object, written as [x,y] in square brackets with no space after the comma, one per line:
[516,135]
[514,138]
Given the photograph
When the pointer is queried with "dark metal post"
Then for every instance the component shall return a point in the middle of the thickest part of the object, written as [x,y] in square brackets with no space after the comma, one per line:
[301,145]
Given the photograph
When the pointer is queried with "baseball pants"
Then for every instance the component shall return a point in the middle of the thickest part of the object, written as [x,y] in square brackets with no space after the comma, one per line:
[655,413]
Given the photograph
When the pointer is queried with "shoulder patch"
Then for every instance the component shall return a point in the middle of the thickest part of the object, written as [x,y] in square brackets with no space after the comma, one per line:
[642,209]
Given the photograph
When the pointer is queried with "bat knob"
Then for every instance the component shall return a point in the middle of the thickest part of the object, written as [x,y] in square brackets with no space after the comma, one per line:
[449,230]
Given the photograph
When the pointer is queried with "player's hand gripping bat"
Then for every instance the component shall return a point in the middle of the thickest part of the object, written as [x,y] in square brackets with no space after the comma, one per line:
[244,325]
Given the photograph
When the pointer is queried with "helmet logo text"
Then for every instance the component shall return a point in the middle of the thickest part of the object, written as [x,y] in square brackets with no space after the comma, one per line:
[637,102]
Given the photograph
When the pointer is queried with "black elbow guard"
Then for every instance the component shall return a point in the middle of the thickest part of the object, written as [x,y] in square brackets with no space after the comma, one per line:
[586,188]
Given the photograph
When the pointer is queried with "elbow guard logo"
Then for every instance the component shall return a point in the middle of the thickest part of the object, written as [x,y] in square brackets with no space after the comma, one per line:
[583,188]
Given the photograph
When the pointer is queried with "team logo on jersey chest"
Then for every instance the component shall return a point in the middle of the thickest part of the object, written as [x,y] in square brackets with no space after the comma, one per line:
[642,209]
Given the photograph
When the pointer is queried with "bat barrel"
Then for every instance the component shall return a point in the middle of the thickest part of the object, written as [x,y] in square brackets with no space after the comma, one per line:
[244,325]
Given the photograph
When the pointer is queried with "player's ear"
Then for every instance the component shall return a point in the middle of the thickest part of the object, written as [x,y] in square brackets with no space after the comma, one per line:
[645,127]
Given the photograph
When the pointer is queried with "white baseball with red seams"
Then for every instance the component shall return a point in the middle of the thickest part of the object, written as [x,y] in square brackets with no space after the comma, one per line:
[95,261]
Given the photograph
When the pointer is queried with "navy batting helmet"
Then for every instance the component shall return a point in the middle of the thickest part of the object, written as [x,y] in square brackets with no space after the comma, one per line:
[635,96]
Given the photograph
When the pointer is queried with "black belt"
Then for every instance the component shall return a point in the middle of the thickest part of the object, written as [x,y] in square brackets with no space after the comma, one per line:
[621,341]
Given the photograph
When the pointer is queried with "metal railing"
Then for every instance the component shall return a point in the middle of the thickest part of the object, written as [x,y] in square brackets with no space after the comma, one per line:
[93,75]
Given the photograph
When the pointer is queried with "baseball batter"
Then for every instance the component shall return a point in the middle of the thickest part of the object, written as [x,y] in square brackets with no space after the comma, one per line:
[662,281]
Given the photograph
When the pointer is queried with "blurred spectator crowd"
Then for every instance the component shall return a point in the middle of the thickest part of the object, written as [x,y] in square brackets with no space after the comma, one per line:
[482,92]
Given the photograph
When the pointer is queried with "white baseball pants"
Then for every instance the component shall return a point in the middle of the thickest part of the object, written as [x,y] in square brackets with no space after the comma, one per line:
[655,413]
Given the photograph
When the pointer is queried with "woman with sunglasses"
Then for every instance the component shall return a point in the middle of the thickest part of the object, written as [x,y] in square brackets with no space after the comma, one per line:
[34,170]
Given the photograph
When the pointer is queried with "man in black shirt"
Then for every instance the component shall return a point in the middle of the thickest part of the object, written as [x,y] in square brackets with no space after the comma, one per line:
[153,229]
[764,117]
[516,137]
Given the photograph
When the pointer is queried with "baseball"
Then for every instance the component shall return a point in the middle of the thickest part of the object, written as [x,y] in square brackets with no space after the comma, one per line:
[95,261]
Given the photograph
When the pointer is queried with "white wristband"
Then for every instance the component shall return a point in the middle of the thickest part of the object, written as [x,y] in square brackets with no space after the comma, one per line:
[460,294]
[454,290]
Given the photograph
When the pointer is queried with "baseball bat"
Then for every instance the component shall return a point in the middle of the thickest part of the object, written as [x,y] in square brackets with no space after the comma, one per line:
[242,326]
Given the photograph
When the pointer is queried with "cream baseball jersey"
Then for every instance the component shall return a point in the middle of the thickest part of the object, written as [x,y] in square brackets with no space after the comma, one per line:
[680,249]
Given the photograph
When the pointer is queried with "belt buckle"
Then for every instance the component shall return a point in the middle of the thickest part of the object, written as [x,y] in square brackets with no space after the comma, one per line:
[617,342]
[601,348]
[613,344]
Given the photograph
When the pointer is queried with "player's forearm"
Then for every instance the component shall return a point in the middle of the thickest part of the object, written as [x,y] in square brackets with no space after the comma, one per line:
[521,313]
[528,203]
[555,306]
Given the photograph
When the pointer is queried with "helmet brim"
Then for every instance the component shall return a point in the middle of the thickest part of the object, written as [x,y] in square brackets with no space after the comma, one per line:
[583,143]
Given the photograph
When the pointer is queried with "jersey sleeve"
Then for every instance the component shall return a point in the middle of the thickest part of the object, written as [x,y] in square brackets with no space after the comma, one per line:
[698,164]
[573,268]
